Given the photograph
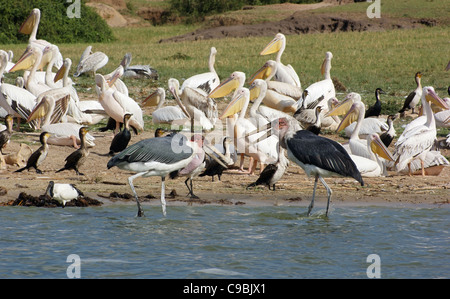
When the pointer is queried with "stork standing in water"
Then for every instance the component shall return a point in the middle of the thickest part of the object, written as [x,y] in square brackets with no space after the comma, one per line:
[157,156]
[318,156]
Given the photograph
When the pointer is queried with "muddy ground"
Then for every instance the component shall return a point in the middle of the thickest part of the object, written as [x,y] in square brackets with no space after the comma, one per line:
[110,186]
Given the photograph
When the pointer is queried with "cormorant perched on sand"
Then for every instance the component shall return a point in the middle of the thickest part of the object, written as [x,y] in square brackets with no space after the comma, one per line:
[5,135]
[273,172]
[375,110]
[121,140]
[39,155]
[414,97]
[213,167]
[78,157]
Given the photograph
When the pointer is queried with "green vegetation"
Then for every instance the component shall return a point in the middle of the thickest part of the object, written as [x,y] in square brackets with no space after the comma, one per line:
[362,61]
[55,26]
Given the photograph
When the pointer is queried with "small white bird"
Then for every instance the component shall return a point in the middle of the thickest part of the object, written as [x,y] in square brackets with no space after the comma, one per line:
[63,193]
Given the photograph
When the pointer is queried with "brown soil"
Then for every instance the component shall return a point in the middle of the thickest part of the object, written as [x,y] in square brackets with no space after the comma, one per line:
[110,186]
[303,22]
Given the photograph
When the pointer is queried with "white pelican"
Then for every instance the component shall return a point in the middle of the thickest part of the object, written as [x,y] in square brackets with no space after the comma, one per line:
[16,101]
[264,153]
[417,140]
[367,126]
[115,76]
[49,75]
[163,115]
[432,158]
[285,73]
[30,26]
[53,105]
[318,156]
[357,146]
[205,81]
[116,104]
[31,57]
[198,105]
[320,92]
[373,166]
[156,157]
[10,62]
[375,110]
[414,97]
[90,61]
[137,71]
[280,95]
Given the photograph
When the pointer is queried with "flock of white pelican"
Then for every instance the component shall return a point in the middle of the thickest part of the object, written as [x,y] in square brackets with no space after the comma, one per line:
[272,118]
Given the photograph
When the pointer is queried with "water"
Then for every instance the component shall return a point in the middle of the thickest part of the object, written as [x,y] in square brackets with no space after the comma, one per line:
[224,242]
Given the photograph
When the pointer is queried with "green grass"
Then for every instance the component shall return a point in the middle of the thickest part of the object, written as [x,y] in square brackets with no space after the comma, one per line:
[362,61]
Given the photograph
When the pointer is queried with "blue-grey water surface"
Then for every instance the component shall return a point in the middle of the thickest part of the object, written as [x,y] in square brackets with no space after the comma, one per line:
[224,242]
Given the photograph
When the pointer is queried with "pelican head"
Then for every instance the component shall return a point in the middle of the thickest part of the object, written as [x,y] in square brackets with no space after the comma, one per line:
[126,60]
[154,98]
[377,146]
[31,21]
[326,61]
[278,42]
[351,116]
[431,96]
[256,88]
[344,106]
[235,80]
[269,68]
[237,103]
[63,69]
[28,59]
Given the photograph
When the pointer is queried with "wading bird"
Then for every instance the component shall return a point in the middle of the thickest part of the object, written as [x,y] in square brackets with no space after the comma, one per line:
[318,156]
[157,156]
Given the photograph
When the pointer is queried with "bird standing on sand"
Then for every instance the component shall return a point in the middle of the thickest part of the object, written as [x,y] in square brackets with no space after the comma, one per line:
[318,156]
[121,139]
[39,155]
[5,135]
[78,157]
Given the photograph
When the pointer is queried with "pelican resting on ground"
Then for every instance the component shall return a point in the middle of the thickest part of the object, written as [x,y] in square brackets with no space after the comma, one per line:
[137,71]
[199,107]
[206,81]
[116,104]
[157,156]
[417,139]
[90,62]
[15,100]
[279,95]
[285,73]
[318,156]
[373,166]
[368,125]
[163,115]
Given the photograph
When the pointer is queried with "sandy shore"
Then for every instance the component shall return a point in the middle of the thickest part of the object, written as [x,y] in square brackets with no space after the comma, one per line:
[293,189]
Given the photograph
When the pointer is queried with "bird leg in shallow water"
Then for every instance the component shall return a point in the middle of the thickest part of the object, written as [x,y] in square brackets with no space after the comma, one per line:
[130,182]
[163,196]
[329,192]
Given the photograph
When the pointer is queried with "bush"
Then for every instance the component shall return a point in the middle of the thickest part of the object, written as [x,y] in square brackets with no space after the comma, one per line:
[54,26]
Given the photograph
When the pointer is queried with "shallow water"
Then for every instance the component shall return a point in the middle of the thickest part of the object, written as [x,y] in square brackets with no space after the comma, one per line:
[224,242]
